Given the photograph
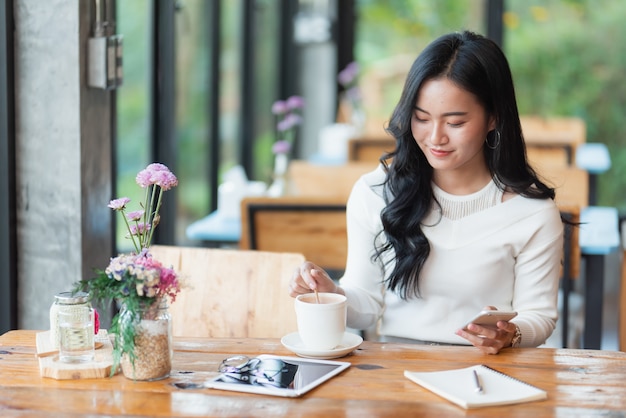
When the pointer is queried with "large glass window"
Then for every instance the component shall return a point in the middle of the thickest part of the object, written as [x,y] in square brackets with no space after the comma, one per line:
[133,105]
[246,63]
[265,76]
[389,36]
[568,59]
[192,115]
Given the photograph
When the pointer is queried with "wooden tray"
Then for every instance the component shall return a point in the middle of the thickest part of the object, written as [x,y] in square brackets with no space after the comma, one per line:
[51,366]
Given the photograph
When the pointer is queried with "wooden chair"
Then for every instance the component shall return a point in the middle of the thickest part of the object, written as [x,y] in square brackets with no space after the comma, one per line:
[369,149]
[552,141]
[313,226]
[231,293]
[310,179]
[572,191]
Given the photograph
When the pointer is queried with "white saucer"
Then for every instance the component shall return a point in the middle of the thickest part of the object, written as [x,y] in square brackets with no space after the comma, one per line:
[348,343]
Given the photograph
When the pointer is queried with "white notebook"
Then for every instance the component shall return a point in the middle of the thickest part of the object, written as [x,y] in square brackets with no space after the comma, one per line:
[461,387]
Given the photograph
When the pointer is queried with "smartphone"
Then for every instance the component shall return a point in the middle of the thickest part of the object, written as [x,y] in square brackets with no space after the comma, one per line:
[491,318]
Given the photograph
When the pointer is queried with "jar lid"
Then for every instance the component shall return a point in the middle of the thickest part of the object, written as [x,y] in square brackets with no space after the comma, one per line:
[71,298]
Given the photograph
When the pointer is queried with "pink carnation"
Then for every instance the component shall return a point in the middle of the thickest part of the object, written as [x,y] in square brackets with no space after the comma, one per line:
[157,167]
[295,102]
[96,322]
[119,204]
[165,179]
[290,121]
[139,229]
[135,215]
[280,107]
[158,174]
[169,284]
[281,147]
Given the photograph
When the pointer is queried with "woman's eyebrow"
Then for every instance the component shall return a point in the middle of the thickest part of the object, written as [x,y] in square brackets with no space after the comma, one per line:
[456,113]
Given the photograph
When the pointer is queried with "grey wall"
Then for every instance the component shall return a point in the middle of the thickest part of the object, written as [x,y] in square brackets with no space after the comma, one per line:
[63,152]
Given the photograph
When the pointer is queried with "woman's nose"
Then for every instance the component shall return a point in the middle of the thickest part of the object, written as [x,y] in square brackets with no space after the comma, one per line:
[437,135]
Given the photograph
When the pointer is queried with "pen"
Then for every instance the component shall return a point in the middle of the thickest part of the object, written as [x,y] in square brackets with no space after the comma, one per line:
[479,387]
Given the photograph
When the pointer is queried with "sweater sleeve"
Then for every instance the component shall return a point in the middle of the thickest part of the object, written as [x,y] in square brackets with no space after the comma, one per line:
[537,273]
[363,281]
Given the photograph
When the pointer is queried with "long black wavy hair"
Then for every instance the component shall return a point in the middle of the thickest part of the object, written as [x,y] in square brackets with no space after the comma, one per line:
[477,65]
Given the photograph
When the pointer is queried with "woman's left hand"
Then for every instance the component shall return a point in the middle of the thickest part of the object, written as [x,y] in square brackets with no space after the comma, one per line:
[489,340]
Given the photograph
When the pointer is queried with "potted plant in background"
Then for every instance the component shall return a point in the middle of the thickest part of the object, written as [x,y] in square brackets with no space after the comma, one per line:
[288,117]
[140,285]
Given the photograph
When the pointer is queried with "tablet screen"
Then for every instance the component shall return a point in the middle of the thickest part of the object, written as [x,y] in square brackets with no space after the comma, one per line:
[279,375]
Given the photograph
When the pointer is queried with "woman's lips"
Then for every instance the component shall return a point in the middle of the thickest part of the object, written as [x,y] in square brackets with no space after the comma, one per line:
[439,152]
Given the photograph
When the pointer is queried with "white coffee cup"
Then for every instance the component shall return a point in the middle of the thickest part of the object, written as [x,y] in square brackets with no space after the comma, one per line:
[321,325]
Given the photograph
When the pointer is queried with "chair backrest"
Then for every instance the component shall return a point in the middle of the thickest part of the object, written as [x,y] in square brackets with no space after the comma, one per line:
[230,292]
[312,226]
[552,141]
[369,149]
[309,179]
[572,195]
[571,184]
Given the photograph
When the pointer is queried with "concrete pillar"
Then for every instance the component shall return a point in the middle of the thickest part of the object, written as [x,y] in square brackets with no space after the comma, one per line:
[63,153]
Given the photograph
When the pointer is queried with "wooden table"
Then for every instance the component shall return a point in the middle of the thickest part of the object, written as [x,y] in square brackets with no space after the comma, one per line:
[579,383]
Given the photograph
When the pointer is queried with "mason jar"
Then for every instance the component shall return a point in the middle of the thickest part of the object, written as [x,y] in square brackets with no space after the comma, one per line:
[72,327]
[151,327]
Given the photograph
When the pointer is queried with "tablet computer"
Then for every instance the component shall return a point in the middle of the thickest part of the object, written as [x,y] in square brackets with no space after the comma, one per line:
[277,375]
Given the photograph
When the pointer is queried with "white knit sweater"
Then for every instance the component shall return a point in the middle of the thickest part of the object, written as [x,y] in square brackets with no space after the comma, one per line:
[483,252]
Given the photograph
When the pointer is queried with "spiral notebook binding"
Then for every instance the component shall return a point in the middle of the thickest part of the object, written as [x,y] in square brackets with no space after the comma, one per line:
[505,375]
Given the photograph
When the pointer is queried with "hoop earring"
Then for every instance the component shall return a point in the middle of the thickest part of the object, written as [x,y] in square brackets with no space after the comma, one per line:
[496,142]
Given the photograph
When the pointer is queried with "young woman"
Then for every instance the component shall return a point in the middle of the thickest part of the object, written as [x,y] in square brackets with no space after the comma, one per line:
[454,220]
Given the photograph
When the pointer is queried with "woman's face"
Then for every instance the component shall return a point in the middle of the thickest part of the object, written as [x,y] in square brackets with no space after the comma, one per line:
[450,127]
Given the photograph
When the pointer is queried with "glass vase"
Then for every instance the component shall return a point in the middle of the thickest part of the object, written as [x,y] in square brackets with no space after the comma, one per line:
[153,349]
[280,182]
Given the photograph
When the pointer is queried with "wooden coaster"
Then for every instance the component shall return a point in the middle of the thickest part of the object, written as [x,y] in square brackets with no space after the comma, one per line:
[51,366]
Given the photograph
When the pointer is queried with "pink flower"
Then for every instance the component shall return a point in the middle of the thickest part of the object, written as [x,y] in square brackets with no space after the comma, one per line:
[295,102]
[135,215]
[281,147]
[280,107]
[288,117]
[157,167]
[139,229]
[96,322]
[169,284]
[119,204]
[165,179]
[144,178]
[290,121]
[158,174]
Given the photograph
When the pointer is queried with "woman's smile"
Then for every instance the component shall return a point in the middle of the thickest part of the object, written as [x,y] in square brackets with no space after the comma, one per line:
[439,153]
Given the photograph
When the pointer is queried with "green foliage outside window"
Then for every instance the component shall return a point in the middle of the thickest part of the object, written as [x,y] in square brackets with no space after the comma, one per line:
[568,59]
[567,56]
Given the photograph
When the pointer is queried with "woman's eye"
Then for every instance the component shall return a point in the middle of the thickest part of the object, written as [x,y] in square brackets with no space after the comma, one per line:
[456,124]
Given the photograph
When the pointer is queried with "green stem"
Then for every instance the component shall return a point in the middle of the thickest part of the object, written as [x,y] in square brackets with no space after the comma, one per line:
[130,232]
[147,216]
[156,211]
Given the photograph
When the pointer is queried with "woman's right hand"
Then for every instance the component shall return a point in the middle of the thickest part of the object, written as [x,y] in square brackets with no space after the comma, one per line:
[309,277]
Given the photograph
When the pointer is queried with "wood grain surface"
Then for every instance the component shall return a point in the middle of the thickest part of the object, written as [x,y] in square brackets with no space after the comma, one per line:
[580,383]
[51,366]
